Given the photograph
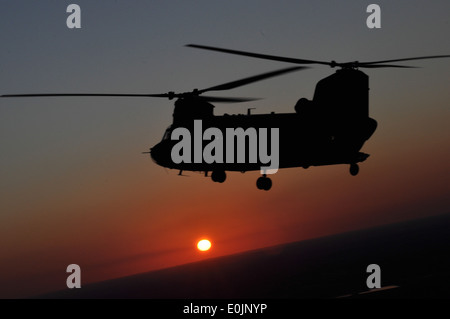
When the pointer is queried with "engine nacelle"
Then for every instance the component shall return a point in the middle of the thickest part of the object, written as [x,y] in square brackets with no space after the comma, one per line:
[302,106]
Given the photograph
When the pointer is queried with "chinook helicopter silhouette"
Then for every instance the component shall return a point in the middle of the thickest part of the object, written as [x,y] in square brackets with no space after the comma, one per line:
[330,129]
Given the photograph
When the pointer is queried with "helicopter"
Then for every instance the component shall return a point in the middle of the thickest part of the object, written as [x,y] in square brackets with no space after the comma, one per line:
[330,129]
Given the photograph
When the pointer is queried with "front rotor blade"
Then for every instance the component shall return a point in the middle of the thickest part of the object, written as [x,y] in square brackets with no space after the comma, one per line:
[235,84]
[219,99]
[408,59]
[84,94]
[258,55]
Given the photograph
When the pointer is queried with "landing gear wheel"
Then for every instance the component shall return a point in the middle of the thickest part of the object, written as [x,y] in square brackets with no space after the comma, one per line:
[267,184]
[354,169]
[260,183]
[218,176]
[264,183]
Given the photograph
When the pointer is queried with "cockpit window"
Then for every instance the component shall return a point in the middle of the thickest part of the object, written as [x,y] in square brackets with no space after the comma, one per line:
[167,134]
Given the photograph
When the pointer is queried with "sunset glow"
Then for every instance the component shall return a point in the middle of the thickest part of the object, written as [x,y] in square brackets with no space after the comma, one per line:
[204,245]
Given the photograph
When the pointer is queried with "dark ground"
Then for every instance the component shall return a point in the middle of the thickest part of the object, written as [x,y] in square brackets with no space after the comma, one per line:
[414,257]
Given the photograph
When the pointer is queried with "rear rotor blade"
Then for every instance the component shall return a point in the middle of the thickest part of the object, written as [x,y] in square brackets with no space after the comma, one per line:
[407,59]
[258,55]
[332,63]
[374,66]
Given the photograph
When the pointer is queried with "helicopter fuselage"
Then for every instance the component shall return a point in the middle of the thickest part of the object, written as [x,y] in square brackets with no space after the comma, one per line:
[302,142]
[330,129]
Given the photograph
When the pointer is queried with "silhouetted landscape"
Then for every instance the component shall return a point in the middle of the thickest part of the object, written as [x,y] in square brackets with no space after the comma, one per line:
[413,256]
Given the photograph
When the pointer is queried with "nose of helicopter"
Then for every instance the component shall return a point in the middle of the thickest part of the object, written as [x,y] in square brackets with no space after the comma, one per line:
[155,154]
[153,151]
[161,154]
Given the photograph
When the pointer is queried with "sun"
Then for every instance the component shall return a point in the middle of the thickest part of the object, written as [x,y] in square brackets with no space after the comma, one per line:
[204,245]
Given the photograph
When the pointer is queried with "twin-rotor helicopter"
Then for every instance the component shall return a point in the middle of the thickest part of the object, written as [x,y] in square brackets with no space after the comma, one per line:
[327,130]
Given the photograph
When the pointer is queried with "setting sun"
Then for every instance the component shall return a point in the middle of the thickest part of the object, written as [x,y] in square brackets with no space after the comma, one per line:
[204,245]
